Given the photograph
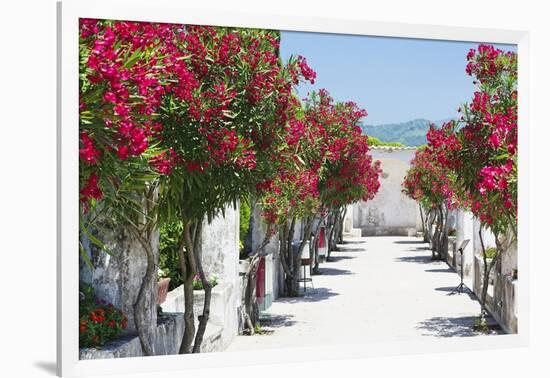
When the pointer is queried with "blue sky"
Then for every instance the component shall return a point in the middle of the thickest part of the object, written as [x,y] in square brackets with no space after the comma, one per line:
[394,79]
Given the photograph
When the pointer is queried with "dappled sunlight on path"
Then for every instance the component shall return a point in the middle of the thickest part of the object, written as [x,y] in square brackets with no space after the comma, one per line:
[374,289]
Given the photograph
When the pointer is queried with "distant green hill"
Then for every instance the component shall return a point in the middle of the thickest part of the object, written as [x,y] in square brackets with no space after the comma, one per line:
[411,133]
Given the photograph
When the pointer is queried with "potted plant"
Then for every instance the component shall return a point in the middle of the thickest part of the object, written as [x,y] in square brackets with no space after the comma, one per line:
[163,284]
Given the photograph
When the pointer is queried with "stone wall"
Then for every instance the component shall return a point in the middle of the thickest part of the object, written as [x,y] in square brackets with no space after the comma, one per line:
[501,294]
[390,212]
[116,277]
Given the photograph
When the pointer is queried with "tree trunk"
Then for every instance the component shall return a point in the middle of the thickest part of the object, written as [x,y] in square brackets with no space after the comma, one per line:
[341,225]
[289,260]
[443,237]
[430,219]
[435,236]
[295,288]
[203,318]
[289,279]
[188,268]
[331,223]
[487,267]
[315,254]
[249,303]
[249,308]
[424,235]
[140,305]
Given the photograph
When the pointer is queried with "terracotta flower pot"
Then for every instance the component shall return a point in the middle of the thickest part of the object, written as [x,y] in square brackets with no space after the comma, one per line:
[162,290]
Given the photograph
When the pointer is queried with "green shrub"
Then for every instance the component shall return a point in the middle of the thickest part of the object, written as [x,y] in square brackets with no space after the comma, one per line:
[480,325]
[197,283]
[244,222]
[168,253]
[99,321]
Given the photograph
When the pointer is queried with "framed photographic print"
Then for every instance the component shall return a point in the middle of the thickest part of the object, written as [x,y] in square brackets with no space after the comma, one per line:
[242,187]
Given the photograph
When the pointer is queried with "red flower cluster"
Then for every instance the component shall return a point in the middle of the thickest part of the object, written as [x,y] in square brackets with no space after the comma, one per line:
[164,162]
[90,191]
[488,63]
[88,153]
[307,73]
[100,325]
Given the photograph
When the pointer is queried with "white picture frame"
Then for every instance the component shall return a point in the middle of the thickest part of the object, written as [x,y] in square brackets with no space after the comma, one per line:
[68,363]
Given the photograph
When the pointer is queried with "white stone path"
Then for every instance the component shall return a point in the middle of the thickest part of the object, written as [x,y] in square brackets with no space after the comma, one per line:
[376,289]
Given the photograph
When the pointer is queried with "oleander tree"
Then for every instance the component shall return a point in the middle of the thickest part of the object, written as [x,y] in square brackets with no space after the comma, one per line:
[123,78]
[432,183]
[220,136]
[486,163]
[479,153]
[329,166]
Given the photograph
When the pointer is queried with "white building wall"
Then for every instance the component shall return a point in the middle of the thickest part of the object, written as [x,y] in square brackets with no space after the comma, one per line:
[390,212]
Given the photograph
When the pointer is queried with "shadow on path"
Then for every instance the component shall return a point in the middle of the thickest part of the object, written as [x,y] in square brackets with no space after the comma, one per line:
[442,270]
[419,259]
[338,258]
[451,290]
[445,288]
[312,295]
[448,327]
[347,249]
[334,271]
[409,242]
[352,242]
[461,326]
[276,321]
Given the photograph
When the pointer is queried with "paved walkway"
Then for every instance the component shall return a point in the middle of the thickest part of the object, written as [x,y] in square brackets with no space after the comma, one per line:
[376,289]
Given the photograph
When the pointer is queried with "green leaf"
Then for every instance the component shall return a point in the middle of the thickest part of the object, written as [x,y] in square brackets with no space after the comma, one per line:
[85,256]
[96,241]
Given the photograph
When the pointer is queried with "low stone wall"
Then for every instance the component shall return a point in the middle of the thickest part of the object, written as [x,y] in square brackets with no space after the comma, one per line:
[168,334]
[388,231]
[223,314]
[501,296]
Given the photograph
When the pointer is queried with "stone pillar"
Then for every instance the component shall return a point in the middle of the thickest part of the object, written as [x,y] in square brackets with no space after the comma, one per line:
[220,246]
[220,258]
[117,278]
